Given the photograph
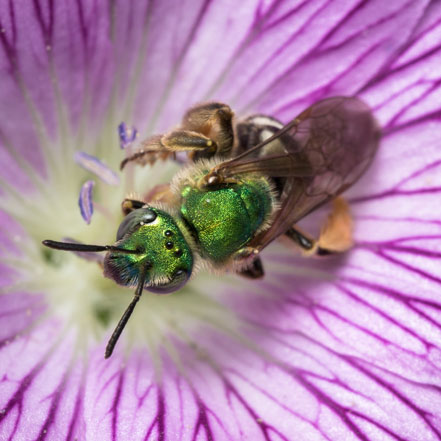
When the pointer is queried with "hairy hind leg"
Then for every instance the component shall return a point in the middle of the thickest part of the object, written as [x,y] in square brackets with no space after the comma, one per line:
[215,121]
[166,146]
[335,235]
[206,130]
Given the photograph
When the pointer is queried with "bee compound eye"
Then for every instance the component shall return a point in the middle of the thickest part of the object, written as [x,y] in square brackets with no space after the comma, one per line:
[134,220]
[179,279]
[149,216]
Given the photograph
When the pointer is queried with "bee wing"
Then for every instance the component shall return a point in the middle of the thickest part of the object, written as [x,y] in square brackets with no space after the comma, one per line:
[320,154]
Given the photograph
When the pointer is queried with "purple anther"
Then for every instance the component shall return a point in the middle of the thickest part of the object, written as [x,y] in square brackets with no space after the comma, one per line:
[126,135]
[95,166]
[85,201]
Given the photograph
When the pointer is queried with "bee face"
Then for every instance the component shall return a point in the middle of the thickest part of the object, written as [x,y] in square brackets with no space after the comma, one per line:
[161,250]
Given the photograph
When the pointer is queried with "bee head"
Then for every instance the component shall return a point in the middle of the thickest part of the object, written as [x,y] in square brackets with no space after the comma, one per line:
[161,252]
[151,252]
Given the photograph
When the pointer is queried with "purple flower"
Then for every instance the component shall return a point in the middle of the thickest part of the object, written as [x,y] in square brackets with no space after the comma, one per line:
[345,348]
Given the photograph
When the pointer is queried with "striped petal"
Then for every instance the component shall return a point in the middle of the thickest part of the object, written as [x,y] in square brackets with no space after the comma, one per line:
[343,348]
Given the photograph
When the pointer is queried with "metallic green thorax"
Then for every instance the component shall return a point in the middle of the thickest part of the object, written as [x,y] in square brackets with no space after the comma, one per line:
[225,218]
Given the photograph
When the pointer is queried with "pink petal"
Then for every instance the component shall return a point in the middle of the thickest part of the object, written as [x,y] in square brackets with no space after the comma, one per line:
[346,348]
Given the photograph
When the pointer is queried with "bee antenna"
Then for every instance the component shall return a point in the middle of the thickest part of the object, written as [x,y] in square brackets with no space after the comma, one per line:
[68,246]
[128,312]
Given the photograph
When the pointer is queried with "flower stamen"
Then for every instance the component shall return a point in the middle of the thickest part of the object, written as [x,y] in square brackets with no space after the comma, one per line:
[126,135]
[94,165]
[85,201]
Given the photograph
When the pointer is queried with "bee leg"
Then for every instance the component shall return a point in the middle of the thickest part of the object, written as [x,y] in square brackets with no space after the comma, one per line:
[166,146]
[159,193]
[128,205]
[335,234]
[303,241]
[246,253]
[254,271]
[308,246]
[213,120]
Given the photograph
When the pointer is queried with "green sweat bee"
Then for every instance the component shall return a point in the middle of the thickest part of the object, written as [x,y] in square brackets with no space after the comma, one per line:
[245,185]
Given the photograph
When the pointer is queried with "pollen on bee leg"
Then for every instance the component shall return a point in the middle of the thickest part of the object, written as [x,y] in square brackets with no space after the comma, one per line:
[336,233]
